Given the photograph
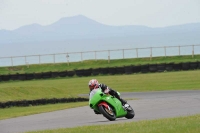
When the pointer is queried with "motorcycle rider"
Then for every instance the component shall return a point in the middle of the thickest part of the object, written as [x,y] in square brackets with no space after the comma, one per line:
[94,84]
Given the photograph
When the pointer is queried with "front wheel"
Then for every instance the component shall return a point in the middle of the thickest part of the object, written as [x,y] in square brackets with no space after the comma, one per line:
[107,112]
[130,113]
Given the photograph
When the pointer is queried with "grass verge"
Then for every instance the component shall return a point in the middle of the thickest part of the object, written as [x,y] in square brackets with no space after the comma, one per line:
[24,111]
[95,64]
[189,124]
[72,87]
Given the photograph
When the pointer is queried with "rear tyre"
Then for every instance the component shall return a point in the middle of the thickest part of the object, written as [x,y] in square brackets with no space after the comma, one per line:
[130,113]
[108,113]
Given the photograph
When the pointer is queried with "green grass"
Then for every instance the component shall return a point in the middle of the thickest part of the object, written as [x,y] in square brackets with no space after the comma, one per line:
[24,111]
[71,87]
[189,124]
[95,64]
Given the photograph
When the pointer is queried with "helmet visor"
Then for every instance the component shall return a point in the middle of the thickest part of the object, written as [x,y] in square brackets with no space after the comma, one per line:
[91,87]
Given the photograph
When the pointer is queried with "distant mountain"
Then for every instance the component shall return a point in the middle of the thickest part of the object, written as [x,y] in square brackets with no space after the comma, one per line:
[79,31]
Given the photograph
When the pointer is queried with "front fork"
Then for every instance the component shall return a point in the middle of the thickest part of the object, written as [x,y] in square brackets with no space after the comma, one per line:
[104,104]
[107,107]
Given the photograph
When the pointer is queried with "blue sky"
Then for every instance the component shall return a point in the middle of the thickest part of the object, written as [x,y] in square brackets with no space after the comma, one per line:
[152,13]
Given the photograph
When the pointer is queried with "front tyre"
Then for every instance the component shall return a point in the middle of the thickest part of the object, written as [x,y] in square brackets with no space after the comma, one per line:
[107,112]
[130,113]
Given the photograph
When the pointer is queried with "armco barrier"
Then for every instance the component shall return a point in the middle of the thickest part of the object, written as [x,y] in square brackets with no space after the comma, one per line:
[30,76]
[96,71]
[87,72]
[185,65]
[177,66]
[5,77]
[128,69]
[38,75]
[137,69]
[112,70]
[14,76]
[22,77]
[198,65]
[145,68]
[70,73]
[153,68]
[169,66]
[46,75]
[104,70]
[80,72]
[120,70]
[193,65]
[161,67]
[54,74]
[108,70]
[62,74]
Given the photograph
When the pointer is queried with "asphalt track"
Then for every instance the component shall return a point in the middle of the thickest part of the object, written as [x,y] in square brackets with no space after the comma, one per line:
[148,106]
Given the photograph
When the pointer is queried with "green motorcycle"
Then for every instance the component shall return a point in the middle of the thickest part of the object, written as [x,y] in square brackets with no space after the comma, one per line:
[109,106]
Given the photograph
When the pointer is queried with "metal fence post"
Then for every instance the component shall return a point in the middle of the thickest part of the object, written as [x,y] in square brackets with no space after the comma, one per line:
[67,59]
[95,55]
[39,59]
[179,50]
[150,53]
[27,64]
[137,52]
[192,51]
[11,60]
[81,57]
[123,53]
[25,59]
[108,56]
[165,51]
[54,58]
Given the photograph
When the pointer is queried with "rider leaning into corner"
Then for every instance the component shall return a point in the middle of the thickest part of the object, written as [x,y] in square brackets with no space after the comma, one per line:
[94,84]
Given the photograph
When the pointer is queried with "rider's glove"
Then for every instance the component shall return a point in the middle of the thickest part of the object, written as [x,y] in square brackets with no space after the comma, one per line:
[106,91]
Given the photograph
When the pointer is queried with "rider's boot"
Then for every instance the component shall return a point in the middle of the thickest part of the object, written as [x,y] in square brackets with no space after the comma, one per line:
[124,103]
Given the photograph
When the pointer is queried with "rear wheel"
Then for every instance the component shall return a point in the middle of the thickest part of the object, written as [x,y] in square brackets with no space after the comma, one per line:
[107,112]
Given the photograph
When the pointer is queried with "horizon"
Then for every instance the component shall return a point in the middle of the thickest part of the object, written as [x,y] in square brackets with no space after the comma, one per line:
[154,13]
[100,23]
[65,36]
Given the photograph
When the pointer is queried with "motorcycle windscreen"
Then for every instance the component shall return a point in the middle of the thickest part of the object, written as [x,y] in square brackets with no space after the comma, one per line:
[93,92]
[94,97]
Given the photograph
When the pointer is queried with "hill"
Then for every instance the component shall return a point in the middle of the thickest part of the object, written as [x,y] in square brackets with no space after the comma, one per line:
[79,33]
